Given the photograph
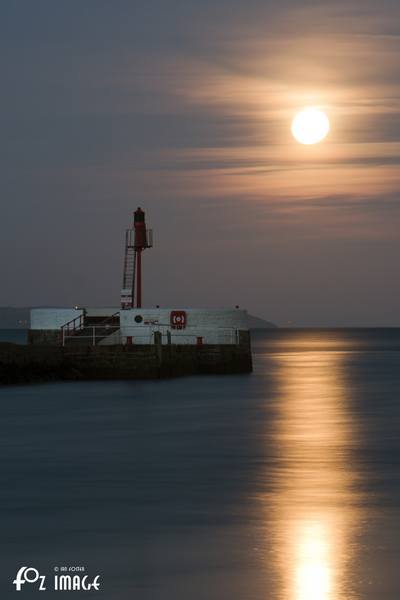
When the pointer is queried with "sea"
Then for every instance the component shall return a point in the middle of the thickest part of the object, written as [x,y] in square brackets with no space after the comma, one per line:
[283,484]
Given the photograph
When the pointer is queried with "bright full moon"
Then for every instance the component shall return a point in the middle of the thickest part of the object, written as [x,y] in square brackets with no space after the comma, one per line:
[310,126]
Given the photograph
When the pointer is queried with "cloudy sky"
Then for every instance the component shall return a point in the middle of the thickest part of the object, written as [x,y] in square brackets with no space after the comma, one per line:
[184,108]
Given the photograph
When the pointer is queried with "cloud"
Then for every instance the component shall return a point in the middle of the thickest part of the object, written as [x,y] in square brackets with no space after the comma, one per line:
[185,107]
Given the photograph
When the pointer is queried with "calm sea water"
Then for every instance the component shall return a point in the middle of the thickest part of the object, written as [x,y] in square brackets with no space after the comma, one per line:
[17,336]
[280,485]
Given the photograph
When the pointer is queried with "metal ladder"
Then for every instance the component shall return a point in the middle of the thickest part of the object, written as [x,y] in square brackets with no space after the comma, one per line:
[129,263]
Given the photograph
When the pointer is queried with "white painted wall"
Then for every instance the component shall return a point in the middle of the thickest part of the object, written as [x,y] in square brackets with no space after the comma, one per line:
[52,318]
[215,326]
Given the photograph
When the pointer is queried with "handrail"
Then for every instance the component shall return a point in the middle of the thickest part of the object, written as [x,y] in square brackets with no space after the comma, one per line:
[107,319]
[78,324]
[95,333]
[71,324]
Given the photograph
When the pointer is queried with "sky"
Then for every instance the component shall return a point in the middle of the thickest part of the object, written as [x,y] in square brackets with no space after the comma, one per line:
[184,108]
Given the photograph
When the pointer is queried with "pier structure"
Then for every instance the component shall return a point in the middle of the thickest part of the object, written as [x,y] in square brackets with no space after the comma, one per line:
[174,340]
[136,326]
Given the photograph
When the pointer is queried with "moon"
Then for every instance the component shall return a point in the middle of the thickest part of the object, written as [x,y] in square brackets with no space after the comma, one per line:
[310,126]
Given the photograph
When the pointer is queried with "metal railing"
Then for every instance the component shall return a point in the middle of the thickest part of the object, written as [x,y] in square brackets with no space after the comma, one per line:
[109,319]
[75,327]
[95,334]
[201,335]
[144,334]
[149,238]
[220,335]
[72,327]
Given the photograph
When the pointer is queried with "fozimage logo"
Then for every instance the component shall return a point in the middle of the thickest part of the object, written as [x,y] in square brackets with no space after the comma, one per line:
[66,579]
[29,575]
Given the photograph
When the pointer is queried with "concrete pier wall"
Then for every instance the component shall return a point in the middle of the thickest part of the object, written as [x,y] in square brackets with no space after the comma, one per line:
[213,325]
[23,364]
[138,325]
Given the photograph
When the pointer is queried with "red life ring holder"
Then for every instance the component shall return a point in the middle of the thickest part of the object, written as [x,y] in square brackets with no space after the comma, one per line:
[178,319]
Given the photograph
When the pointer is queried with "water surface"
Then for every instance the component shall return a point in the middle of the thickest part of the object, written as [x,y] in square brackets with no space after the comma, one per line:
[283,484]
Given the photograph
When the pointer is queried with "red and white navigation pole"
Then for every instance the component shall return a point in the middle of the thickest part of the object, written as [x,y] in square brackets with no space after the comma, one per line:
[137,239]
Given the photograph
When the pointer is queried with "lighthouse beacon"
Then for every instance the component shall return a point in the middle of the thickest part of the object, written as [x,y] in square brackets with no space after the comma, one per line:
[137,239]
